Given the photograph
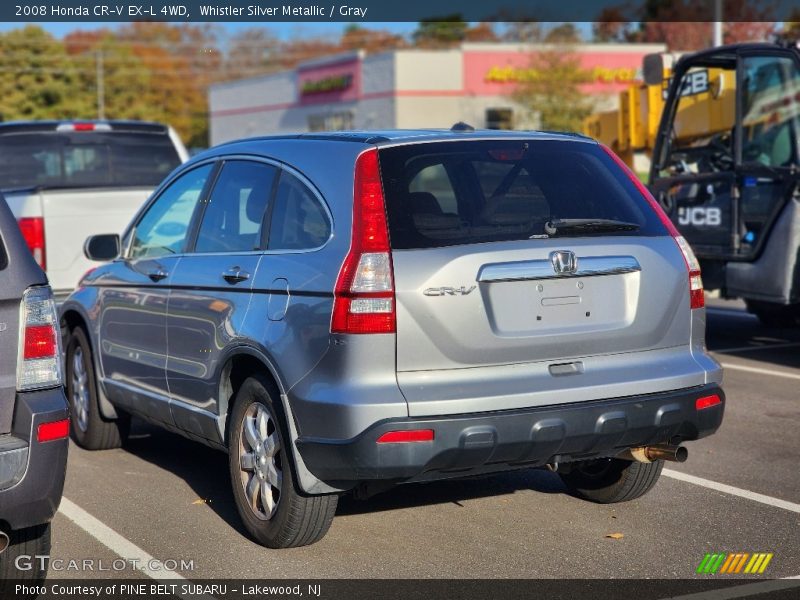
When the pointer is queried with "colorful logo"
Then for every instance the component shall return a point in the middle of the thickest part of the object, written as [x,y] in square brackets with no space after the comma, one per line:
[734,562]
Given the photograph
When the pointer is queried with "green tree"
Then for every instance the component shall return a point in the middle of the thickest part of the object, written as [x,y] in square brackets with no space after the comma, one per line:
[552,89]
[440,32]
[38,78]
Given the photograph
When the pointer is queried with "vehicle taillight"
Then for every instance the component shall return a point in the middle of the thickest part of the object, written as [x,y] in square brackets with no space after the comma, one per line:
[696,295]
[39,360]
[33,231]
[364,299]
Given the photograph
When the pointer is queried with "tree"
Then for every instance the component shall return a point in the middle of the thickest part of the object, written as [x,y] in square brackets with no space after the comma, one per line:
[252,51]
[566,33]
[482,32]
[611,26]
[685,24]
[39,80]
[553,89]
[356,37]
[526,32]
[440,32]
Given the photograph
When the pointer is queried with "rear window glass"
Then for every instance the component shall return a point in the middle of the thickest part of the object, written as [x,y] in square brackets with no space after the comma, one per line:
[449,193]
[85,159]
[3,255]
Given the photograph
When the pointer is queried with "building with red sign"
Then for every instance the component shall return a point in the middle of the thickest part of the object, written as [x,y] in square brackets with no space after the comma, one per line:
[408,89]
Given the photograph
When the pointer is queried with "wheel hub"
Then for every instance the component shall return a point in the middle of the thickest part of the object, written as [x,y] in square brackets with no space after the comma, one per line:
[259,460]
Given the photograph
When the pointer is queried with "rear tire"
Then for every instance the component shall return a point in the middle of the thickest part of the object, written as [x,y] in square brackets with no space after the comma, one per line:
[612,480]
[89,428]
[33,542]
[775,315]
[272,508]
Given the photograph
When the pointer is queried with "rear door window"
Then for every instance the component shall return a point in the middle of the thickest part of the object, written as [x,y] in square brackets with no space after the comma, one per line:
[235,209]
[450,193]
[299,221]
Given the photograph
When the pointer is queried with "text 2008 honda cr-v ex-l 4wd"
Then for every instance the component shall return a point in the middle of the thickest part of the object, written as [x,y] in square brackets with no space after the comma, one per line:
[358,309]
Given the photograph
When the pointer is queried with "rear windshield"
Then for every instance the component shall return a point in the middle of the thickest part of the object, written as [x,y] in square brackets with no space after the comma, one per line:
[85,159]
[449,193]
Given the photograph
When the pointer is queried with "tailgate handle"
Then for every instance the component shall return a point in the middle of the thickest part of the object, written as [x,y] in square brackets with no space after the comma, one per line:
[235,275]
[588,266]
[158,274]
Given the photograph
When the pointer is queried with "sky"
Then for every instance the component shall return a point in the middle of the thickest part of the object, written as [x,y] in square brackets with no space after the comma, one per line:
[282,30]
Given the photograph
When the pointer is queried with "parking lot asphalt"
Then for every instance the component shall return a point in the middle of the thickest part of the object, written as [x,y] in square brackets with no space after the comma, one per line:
[165,497]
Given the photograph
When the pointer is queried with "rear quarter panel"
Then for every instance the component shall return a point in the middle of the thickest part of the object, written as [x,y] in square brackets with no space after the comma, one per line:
[19,273]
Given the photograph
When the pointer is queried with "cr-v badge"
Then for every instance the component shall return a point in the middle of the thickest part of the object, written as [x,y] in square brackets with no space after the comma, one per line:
[449,291]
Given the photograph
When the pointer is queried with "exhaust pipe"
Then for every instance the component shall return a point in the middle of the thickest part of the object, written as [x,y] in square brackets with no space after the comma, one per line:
[4,541]
[648,454]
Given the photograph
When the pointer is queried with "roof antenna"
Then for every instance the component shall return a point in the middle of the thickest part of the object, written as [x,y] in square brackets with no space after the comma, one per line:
[463,127]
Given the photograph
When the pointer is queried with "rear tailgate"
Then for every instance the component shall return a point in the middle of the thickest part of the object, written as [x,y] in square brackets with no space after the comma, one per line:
[9,327]
[17,272]
[485,320]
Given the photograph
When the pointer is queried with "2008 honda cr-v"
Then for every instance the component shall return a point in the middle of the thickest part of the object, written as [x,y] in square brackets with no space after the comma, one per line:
[353,310]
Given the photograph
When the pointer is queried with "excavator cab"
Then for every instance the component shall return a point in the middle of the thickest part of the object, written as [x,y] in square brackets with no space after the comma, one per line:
[725,168]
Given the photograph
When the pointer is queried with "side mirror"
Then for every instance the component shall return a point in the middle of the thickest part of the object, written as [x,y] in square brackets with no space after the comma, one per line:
[653,69]
[102,247]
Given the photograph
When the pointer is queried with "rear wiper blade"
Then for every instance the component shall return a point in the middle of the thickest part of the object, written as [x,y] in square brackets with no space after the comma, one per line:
[554,226]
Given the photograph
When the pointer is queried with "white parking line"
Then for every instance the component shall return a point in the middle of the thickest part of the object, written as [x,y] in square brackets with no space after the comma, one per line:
[760,371]
[733,491]
[115,542]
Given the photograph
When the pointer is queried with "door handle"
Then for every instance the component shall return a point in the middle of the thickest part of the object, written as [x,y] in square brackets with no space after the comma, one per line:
[158,275]
[235,275]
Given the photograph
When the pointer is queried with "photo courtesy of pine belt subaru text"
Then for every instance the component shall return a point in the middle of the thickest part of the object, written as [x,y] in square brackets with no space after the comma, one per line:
[354,310]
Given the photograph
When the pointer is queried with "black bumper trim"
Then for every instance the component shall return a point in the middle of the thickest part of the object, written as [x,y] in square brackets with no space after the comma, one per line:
[34,498]
[497,441]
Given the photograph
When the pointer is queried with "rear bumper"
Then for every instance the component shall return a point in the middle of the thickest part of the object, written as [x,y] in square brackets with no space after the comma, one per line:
[32,473]
[489,442]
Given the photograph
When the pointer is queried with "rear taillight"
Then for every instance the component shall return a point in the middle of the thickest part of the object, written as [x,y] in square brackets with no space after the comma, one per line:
[39,360]
[364,295]
[696,295]
[33,231]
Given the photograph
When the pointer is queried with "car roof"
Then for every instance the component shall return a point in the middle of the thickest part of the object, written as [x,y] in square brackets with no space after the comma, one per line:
[409,135]
[392,137]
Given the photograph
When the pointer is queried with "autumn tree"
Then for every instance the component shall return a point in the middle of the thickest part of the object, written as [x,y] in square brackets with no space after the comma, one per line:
[553,89]
[356,37]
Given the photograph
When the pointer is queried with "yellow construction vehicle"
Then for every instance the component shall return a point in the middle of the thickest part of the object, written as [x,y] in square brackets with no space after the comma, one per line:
[725,166]
[633,127]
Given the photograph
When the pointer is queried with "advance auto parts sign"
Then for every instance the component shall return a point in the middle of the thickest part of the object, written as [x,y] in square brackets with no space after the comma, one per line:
[333,83]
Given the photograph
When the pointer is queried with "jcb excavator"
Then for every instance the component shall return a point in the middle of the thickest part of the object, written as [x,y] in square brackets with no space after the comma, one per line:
[725,165]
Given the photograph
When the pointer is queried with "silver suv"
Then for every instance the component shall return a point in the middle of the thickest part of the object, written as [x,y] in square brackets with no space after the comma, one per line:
[349,311]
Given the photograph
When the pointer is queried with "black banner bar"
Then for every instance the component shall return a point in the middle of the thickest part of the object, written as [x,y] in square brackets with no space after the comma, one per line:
[358,11]
[712,587]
